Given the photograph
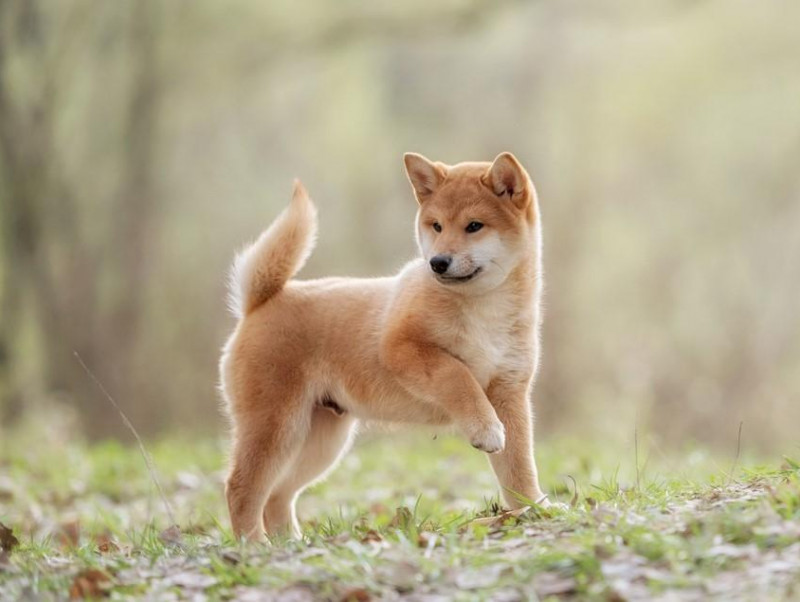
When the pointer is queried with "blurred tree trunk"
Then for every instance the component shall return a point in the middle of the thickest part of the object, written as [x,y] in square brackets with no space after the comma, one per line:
[38,207]
[44,256]
[133,230]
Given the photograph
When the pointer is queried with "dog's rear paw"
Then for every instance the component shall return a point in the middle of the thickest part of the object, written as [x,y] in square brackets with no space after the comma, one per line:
[490,439]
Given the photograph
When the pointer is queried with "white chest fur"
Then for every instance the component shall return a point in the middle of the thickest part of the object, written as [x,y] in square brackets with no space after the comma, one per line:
[495,336]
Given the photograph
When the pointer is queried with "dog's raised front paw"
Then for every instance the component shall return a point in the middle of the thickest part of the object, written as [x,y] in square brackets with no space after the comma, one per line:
[490,439]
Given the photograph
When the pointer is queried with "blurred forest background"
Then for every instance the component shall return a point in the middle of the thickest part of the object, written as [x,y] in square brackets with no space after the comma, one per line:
[143,142]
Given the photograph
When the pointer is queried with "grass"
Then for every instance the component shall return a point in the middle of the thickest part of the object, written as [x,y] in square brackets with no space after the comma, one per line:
[405,515]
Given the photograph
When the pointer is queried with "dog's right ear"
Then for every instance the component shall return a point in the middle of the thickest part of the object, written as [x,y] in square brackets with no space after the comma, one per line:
[425,176]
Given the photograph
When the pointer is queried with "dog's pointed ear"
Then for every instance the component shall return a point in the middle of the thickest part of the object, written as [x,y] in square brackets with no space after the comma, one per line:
[506,176]
[425,175]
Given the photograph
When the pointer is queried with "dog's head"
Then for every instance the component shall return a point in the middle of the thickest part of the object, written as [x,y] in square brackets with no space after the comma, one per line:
[476,221]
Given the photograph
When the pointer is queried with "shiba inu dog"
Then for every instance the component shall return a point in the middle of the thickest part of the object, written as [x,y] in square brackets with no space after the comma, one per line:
[453,338]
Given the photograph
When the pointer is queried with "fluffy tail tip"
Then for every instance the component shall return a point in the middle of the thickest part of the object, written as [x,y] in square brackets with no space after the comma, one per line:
[299,191]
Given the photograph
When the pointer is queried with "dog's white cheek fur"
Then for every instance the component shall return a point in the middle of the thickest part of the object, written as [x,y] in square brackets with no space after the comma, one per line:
[492,256]
[424,241]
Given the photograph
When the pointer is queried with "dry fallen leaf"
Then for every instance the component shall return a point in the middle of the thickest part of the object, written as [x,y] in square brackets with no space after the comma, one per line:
[68,534]
[171,535]
[424,539]
[231,557]
[355,594]
[371,536]
[7,540]
[105,544]
[500,519]
[91,583]
[428,541]
[402,518]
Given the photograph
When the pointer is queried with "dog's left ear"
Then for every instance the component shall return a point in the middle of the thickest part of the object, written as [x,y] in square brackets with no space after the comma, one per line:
[425,175]
[507,177]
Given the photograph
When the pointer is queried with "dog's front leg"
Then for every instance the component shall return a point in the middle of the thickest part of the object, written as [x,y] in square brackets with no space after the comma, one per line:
[515,466]
[431,374]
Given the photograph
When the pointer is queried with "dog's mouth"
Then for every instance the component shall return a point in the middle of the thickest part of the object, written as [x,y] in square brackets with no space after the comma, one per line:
[457,279]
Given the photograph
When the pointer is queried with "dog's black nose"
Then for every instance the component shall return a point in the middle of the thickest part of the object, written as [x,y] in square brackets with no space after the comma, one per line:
[440,263]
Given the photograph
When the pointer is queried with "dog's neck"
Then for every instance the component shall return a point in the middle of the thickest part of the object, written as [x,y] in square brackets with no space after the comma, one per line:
[524,281]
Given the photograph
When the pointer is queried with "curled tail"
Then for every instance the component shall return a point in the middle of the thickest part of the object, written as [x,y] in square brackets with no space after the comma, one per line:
[263,268]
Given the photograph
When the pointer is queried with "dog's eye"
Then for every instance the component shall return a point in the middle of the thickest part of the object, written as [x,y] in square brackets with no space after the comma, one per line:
[437,226]
[473,227]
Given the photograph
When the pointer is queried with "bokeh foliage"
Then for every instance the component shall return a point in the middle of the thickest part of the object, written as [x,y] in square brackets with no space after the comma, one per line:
[141,142]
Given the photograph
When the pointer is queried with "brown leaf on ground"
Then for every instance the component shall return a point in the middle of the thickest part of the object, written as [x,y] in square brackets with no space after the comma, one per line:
[402,518]
[105,544]
[91,583]
[68,534]
[171,535]
[371,536]
[355,594]
[424,539]
[7,540]
[500,519]
[231,557]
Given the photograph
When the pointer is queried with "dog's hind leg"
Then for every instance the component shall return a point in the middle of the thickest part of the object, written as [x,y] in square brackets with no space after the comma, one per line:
[268,437]
[328,439]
